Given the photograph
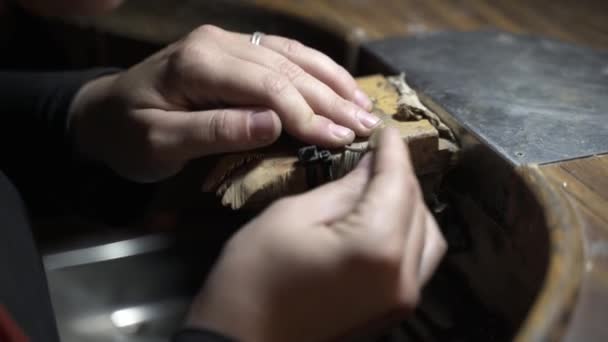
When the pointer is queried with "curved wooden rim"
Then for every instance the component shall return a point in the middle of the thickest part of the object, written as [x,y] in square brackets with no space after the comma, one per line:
[548,317]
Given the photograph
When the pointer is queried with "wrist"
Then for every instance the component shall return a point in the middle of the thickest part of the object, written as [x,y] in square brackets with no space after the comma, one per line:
[222,315]
[91,102]
[223,305]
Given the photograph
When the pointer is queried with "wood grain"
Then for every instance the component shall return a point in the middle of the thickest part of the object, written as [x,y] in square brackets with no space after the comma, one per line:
[335,27]
[584,22]
[586,183]
[254,179]
[381,92]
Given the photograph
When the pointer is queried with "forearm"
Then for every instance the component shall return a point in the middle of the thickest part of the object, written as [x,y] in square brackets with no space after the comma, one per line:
[39,103]
[35,146]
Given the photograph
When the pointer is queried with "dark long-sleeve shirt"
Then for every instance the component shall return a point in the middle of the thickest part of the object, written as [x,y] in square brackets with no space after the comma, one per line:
[34,147]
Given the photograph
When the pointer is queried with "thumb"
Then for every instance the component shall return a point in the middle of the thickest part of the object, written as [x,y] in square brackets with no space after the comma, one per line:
[393,187]
[226,130]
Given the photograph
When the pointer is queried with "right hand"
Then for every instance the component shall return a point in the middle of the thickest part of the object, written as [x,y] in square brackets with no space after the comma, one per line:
[319,265]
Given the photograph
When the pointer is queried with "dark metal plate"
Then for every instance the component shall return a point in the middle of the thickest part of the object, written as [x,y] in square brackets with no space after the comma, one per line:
[532,100]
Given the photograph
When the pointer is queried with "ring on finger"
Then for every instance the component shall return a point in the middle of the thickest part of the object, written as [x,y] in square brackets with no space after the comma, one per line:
[256,37]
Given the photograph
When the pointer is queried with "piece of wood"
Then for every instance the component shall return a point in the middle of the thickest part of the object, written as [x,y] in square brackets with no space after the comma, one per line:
[252,179]
[381,92]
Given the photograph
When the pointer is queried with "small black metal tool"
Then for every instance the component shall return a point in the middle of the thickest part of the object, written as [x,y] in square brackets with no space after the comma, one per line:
[318,164]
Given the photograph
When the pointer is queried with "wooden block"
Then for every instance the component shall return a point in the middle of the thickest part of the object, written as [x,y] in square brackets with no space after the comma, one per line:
[381,92]
[252,179]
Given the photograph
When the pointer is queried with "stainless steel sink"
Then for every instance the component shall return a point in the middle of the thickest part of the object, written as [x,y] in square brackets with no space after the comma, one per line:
[136,290]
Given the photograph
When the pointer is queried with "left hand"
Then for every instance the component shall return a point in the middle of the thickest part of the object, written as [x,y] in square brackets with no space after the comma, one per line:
[215,92]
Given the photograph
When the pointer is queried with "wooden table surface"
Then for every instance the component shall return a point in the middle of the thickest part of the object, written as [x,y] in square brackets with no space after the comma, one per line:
[585,181]
[584,22]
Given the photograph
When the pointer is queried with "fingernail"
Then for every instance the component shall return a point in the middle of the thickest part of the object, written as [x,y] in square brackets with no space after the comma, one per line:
[362,100]
[261,125]
[341,131]
[368,120]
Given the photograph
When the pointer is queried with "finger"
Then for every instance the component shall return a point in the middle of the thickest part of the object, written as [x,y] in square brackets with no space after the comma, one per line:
[336,199]
[434,249]
[241,82]
[392,207]
[188,135]
[319,66]
[322,99]
[392,188]
[412,252]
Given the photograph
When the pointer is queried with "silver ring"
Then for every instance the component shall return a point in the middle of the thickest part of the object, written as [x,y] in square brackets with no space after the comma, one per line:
[256,37]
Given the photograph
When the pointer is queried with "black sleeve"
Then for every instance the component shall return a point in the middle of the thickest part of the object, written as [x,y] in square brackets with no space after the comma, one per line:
[35,149]
[199,335]
[39,103]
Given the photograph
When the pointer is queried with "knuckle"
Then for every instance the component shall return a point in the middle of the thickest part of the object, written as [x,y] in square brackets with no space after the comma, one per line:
[208,30]
[275,84]
[289,69]
[219,127]
[345,82]
[292,46]
[339,105]
[342,78]
[190,54]
[196,48]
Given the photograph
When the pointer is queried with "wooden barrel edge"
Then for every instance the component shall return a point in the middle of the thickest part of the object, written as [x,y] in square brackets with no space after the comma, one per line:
[549,316]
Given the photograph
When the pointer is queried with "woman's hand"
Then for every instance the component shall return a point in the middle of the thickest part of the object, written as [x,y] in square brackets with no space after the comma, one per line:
[319,265]
[213,92]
